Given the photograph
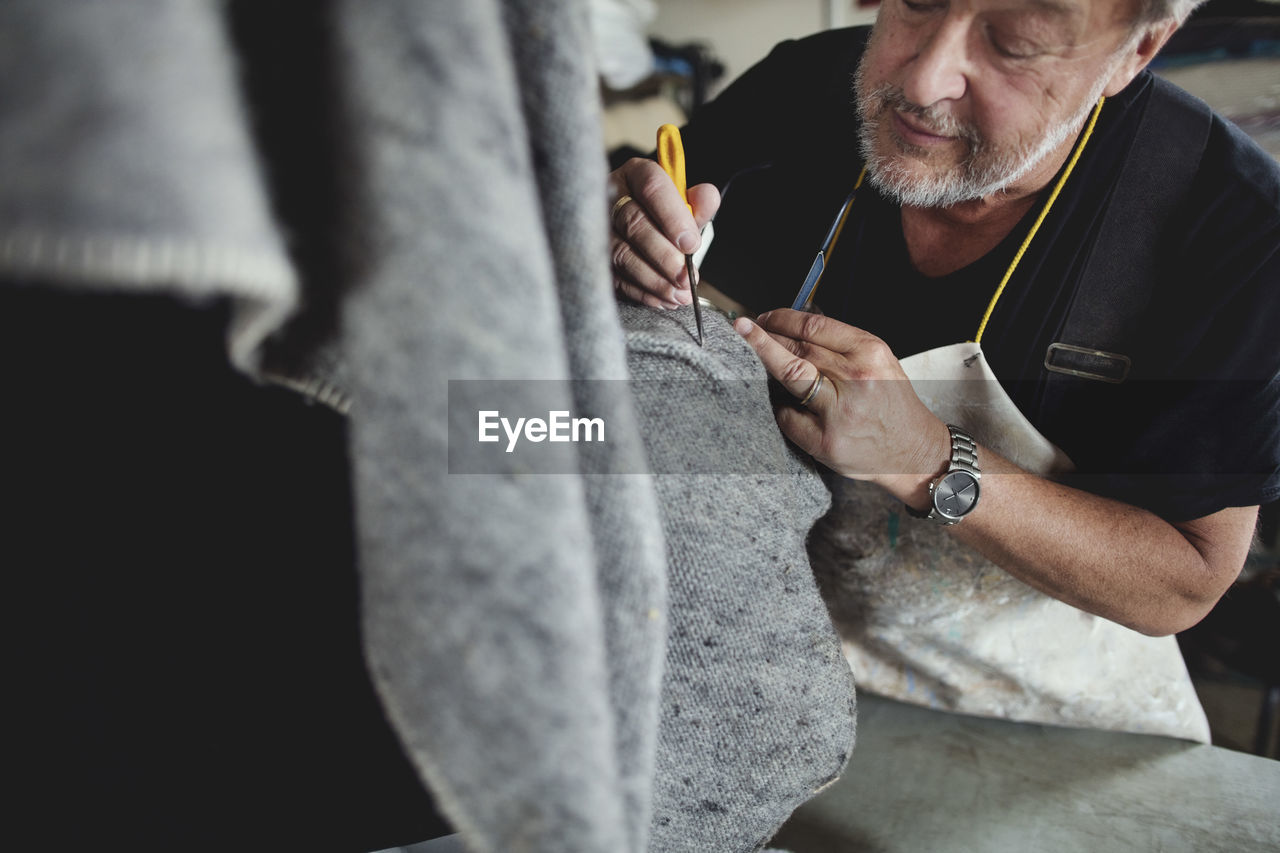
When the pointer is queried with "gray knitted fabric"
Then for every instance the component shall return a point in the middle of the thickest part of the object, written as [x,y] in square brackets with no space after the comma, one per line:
[514,625]
[127,163]
[757,700]
[560,100]
[516,646]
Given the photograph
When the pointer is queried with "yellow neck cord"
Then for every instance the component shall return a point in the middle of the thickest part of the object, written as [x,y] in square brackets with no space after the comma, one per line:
[1071,164]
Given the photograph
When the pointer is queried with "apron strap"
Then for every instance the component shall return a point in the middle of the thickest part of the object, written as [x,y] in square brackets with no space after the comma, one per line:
[1124,265]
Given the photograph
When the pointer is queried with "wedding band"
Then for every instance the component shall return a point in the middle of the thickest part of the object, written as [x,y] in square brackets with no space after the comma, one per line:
[622,202]
[813,389]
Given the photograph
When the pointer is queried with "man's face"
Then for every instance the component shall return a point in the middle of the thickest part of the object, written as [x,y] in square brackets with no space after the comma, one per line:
[961,99]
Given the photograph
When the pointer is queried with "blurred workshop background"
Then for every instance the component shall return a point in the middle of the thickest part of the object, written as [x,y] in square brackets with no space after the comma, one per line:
[662,59]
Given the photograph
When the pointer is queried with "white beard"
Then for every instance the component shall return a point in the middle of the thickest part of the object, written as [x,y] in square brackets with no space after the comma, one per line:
[983,172]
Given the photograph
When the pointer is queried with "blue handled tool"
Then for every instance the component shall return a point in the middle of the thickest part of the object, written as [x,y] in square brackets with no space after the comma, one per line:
[804,299]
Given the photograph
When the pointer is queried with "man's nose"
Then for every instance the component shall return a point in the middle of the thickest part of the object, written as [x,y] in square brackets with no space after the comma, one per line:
[939,71]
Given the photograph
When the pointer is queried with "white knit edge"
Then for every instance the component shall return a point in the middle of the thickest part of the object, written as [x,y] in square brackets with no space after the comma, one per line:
[262,284]
[316,390]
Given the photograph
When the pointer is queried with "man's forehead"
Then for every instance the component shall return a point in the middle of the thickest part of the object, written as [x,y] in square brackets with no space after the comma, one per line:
[1076,11]
[1064,8]
[1067,9]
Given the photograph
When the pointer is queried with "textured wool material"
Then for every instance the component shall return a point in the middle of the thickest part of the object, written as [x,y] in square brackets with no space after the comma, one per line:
[561,108]
[420,187]
[758,708]
[512,643]
[447,208]
[128,164]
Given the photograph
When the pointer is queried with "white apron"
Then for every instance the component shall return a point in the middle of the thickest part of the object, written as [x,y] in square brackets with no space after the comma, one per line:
[927,620]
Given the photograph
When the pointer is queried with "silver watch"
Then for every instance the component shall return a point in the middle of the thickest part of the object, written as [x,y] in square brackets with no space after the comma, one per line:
[954,494]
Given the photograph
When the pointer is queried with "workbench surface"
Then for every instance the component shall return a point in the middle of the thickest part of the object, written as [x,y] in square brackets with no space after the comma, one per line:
[923,781]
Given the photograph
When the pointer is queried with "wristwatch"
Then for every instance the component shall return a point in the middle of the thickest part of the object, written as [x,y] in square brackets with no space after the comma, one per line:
[954,494]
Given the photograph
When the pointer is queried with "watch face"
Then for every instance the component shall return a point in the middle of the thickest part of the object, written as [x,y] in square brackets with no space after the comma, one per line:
[955,494]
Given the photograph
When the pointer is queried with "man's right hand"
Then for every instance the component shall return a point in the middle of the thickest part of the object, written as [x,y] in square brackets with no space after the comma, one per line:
[653,231]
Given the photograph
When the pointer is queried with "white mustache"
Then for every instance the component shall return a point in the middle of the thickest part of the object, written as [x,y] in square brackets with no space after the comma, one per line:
[933,120]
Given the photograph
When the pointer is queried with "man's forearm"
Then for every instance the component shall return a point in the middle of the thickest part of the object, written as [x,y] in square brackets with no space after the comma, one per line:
[1109,558]
[1106,557]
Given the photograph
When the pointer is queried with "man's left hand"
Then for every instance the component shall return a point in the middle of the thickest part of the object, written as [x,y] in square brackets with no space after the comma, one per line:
[865,421]
[1105,557]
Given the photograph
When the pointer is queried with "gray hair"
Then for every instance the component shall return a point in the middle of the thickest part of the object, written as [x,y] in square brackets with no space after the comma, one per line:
[1153,11]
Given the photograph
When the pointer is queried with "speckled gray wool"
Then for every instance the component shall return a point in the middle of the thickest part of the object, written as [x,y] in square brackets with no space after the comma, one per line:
[561,110]
[508,617]
[514,625]
[758,703]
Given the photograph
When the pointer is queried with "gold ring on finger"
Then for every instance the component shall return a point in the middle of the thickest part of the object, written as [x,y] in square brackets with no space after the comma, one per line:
[622,202]
[813,389]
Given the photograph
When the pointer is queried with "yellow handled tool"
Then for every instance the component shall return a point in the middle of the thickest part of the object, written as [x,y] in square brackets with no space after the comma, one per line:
[671,159]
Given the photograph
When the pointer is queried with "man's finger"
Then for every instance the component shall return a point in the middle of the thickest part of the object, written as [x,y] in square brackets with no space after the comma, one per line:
[705,199]
[642,255]
[657,194]
[798,376]
[815,328]
[631,269]
[831,363]
[644,297]
[802,427]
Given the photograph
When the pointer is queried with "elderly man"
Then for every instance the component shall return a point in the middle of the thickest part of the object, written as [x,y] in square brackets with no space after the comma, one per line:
[1032,208]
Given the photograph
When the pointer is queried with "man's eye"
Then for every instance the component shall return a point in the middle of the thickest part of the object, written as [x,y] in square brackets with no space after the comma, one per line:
[1012,48]
[916,6]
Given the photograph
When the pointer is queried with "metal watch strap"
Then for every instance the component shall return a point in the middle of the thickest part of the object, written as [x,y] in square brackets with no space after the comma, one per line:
[964,457]
[964,452]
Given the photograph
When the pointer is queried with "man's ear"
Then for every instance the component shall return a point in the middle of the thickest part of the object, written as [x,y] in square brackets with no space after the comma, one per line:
[1138,52]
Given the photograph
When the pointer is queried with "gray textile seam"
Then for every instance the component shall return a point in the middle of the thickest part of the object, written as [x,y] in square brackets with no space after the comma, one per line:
[758,706]
[127,162]
[311,386]
[262,284]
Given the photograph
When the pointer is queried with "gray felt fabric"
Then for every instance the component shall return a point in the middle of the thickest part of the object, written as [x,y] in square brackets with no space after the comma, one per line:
[757,701]
[514,645]
[127,163]
[515,634]
[515,625]
[560,101]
